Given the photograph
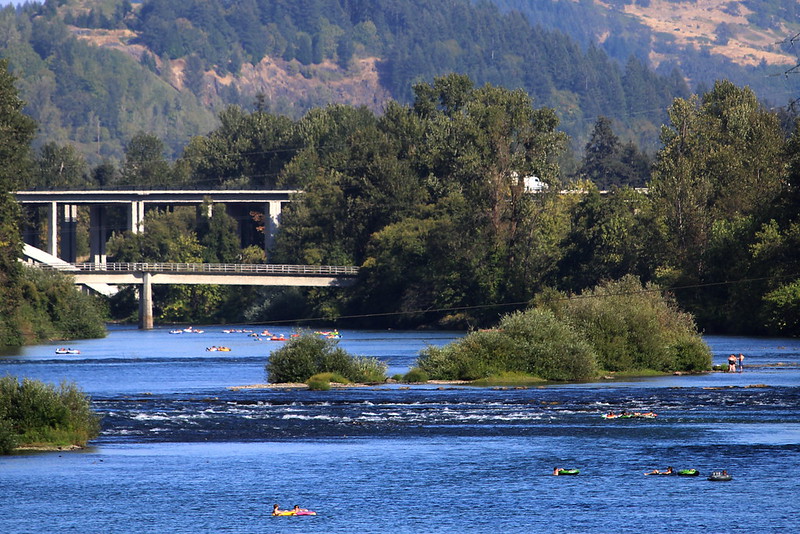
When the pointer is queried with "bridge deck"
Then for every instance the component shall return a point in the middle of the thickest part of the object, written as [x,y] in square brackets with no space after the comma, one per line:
[220,268]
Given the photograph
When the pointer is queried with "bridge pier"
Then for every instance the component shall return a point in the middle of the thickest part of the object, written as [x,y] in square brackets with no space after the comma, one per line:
[135,216]
[69,234]
[98,222]
[146,303]
[272,214]
[52,228]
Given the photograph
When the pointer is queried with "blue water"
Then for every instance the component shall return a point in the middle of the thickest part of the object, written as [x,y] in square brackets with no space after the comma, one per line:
[180,452]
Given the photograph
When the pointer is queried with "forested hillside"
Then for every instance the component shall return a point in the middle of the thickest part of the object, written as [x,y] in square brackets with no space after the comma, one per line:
[94,73]
[750,42]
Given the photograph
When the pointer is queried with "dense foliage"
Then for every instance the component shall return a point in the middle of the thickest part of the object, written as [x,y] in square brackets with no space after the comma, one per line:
[181,61]
[618,327]
[533,342]
[35,414]
[432,201]
[15,164]
[34,305]
[309,354]
[53,308]
[632,327]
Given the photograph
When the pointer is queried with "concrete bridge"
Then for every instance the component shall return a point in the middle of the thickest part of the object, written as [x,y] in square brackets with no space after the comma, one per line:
[145,275]
[102,276]
[62,213]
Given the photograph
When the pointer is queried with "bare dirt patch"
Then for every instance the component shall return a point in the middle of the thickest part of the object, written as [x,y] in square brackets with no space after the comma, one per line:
[695,24]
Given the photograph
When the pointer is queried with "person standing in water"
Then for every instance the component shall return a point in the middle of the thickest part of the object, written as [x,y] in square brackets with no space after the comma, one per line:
[741,362]
[732,363]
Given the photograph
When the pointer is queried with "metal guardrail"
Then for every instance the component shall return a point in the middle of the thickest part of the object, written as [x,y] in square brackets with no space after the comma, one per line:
[222,268]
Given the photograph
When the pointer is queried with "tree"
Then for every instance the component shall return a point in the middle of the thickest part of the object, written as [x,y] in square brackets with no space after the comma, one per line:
[60,167]
[607,241]
[145,165]
[600,163]
[721,160]
[608,163]
[16,133]
[715,187]
[247,150]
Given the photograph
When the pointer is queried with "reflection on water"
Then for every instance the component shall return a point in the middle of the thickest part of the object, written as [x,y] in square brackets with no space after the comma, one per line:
[180,452]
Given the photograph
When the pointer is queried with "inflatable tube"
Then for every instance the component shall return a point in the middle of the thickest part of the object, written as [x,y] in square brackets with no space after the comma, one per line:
[569,471]
[688,472]
[716,476]
[636,415]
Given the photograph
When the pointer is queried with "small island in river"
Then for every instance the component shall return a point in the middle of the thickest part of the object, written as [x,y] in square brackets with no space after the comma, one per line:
[621,328]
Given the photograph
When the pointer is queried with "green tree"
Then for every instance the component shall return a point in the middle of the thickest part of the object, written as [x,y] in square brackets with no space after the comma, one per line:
[60,167]
[145,165]
[607,162]
[716,180]
[15,168]
[608,239]
[247,150]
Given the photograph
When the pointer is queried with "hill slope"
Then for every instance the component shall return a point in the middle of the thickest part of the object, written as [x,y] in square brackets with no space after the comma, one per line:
[96,72]
[749,42]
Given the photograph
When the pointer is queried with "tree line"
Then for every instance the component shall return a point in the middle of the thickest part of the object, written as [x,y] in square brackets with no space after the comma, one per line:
[34,305]
[432,200]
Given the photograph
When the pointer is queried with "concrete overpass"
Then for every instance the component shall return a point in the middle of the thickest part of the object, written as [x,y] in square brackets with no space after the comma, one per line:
[62,212]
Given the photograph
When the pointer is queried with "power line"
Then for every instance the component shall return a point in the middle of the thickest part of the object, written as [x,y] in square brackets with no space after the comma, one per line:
[526,303]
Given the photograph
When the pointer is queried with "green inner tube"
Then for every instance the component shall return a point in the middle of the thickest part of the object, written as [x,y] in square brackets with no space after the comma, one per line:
[568,471]
[688,472]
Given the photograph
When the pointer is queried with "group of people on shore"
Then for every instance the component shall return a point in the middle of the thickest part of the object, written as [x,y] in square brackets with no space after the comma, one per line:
[735,363]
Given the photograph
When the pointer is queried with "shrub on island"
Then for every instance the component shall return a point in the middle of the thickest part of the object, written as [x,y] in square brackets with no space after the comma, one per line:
[533,342]
[322,381]
[635,327]
[415,376]
[308,354]
[618,326]
[35,414]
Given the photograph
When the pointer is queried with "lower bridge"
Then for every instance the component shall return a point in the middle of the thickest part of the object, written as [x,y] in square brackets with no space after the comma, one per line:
[145,274]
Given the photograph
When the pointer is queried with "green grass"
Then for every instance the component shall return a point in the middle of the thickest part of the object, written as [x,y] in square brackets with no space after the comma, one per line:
[509,379]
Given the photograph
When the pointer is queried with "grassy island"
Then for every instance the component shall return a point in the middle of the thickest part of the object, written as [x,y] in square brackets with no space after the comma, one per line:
[44,416]
[618,327]
[310,356]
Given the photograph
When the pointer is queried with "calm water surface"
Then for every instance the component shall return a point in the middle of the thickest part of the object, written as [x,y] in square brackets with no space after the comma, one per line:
[180,452]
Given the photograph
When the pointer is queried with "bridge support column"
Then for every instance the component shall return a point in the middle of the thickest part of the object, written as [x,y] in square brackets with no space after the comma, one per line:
[272,214]
[52,229]
[146,303]
[69,233]
[97,234]
[136,216]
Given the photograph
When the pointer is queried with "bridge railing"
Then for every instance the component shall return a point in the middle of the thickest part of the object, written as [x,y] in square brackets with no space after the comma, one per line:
[222,268]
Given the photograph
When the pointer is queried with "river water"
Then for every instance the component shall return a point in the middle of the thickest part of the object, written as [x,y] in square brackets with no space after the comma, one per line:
[181,452]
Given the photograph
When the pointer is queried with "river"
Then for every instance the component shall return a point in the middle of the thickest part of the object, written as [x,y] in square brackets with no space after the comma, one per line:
[181,452]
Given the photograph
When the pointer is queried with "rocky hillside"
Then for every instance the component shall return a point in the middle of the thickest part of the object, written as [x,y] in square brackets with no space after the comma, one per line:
[721,27]
[282,82]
